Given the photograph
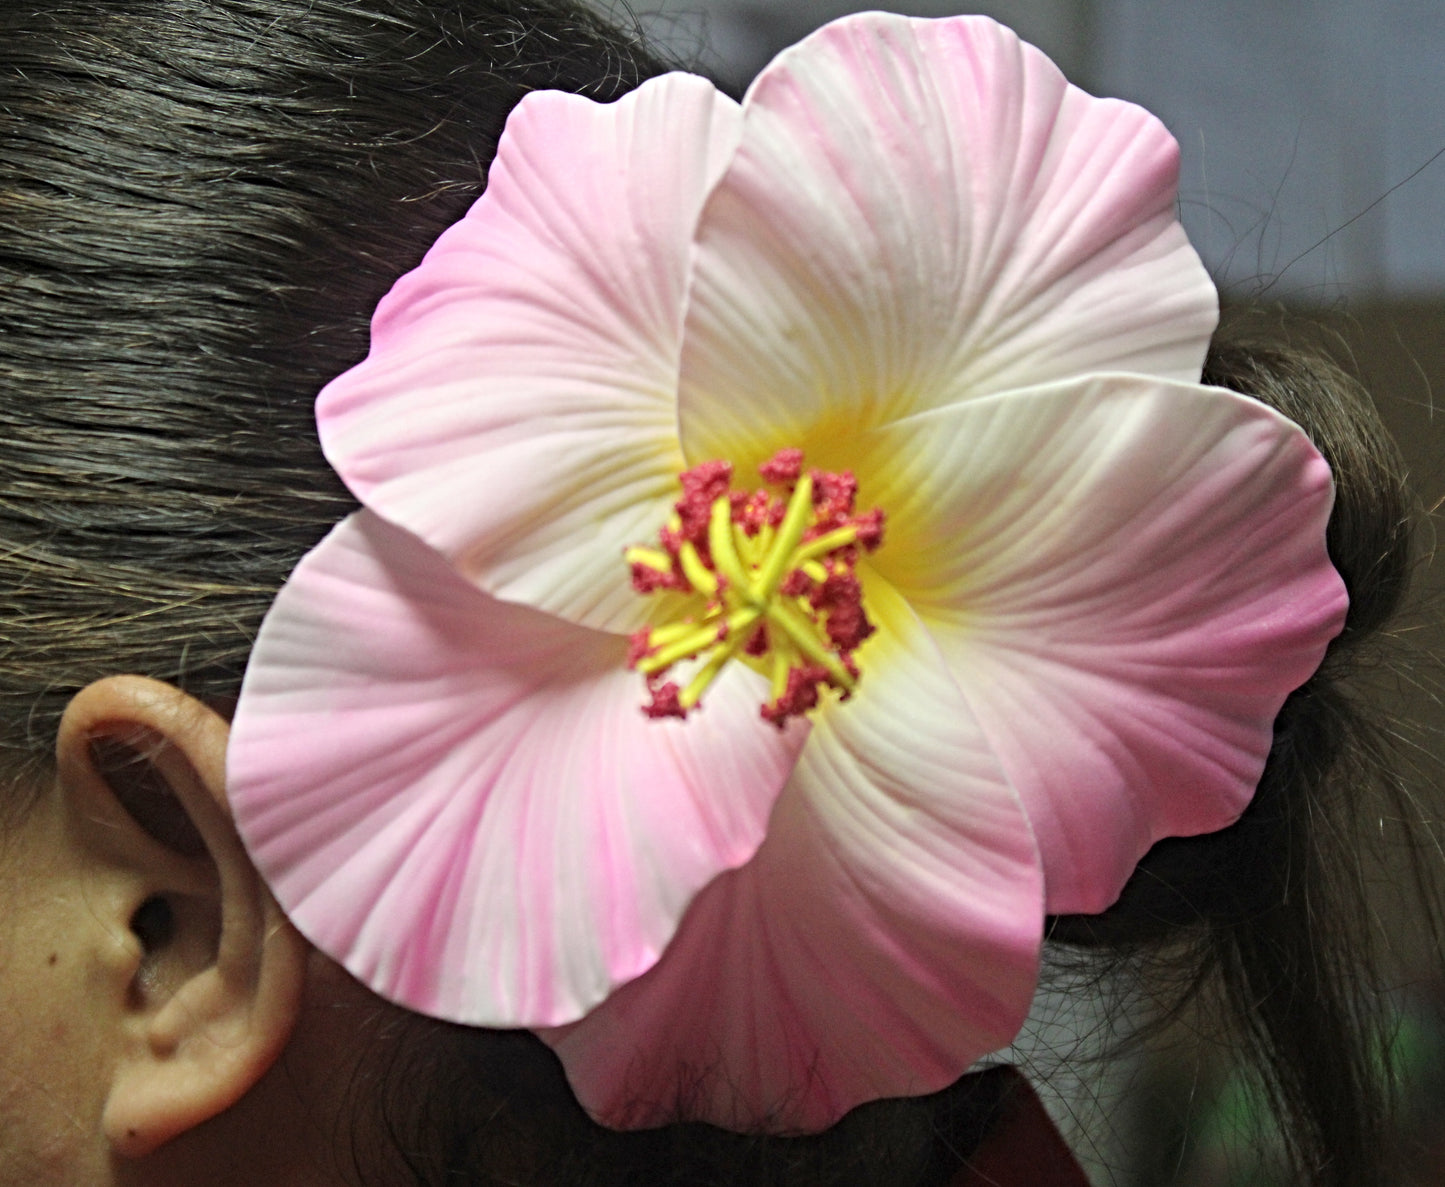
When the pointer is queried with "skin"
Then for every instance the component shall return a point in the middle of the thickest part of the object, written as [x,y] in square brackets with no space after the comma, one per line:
[199,1042]
[49,1092]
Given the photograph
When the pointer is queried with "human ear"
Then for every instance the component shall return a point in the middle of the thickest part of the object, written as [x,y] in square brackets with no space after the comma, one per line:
[207,984]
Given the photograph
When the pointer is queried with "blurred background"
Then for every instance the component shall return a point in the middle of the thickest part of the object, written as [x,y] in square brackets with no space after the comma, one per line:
[1313,185]
[1312,134]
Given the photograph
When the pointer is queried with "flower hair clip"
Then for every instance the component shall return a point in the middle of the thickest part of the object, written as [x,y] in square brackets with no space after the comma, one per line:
[797,555]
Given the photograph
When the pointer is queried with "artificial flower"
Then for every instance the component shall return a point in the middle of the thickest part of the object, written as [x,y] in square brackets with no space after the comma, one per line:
[918,256]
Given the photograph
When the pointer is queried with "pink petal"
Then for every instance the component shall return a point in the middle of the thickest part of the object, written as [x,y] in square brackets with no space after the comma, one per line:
[922,212]
[1128,577]
[517,410]
[460,799]
[883,938]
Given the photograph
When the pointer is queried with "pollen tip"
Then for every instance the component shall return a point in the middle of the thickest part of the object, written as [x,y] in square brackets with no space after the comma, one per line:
[639,645]
[834,493]
[847,627]
[800,695]
[870,529]
[774,716]
[702,486]
[784,468]
[796,584]
[753,511]
[666,702]
[646,579]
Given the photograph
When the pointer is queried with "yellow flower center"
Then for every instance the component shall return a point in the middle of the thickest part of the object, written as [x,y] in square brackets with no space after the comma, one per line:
[772,580]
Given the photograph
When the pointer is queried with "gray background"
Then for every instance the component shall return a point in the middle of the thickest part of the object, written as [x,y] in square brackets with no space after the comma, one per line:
[1308,127]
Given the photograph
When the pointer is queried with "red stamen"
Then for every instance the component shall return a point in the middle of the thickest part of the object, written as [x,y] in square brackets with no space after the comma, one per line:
[702,486]
[796,584]
[848,626]
[870,528]
[638,647]
[646,579]
[752,511]
[665,702]
[785,467]
[841,595]
[833,496]
[758,644]
[800,695]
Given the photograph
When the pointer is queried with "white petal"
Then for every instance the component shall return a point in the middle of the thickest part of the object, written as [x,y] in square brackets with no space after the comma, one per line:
[922,212]
[884,937]
[1127,577]
[517,410]
[460,798]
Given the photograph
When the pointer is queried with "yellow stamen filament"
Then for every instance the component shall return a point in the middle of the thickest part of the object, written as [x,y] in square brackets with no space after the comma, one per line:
[653,558]
[697,573]
[788,606]
[807,639]
[722,546]
[750,596]
[826,543]
[708,672]
[781,664]
[779,561]
[686,639]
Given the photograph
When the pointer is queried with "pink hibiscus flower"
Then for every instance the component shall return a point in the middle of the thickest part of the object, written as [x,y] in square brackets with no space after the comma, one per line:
[919,256]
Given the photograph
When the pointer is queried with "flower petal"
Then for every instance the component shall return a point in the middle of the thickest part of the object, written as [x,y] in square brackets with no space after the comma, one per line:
[885,935]
[921,212]
[517,409]
[1128,578]
[460,799]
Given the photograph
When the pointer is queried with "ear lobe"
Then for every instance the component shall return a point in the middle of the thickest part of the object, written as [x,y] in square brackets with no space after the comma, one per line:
[215,985]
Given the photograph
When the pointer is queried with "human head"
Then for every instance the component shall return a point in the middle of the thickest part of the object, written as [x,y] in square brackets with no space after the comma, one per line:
[180,307]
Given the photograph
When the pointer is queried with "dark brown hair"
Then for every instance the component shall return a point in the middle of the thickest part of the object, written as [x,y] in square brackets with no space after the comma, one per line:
[201,201]
[1270,917]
